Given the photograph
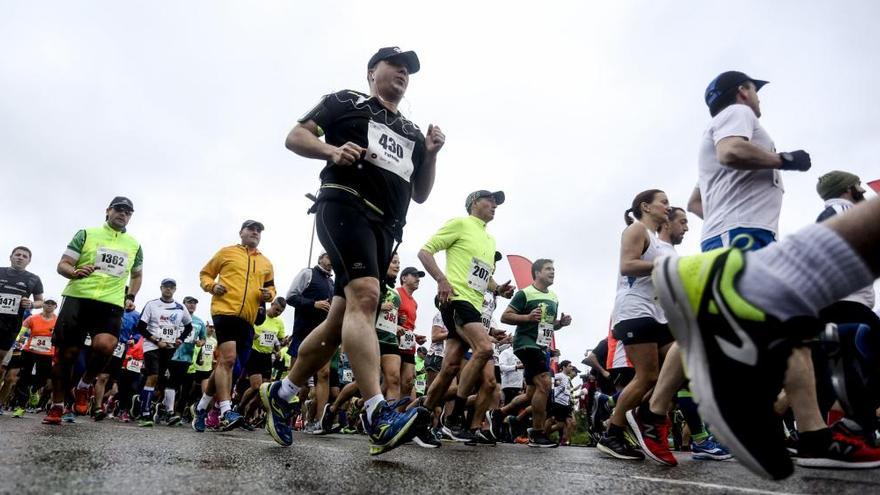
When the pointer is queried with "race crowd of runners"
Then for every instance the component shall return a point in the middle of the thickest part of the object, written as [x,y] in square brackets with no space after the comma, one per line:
[755,349]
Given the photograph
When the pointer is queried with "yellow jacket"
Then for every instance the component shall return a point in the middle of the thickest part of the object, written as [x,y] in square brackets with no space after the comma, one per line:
[243,272]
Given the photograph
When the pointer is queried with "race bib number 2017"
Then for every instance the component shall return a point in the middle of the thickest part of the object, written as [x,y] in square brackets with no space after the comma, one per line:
[478,275]
[389,150]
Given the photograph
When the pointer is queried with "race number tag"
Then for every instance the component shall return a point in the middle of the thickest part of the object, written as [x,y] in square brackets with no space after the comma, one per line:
[267,339]
[168,334]
[111,262]
[347,376]
[120,349]
[545,334]
[387,321]
[88,341]
[9,304]
[208,349]
[389,150]
[478,278]
[407,341]
[134,365]
[421,384]
[43,343]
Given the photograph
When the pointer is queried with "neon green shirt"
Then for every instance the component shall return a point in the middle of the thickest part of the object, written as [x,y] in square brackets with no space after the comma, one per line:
[207,352]
[470,257]
[267,334]
[534,334]
[114,254]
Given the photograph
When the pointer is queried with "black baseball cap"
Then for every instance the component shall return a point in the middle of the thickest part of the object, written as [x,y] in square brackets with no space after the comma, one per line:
[411,270]
[253,224]
[409,58]
[482,193]
[168,281]
[121,201]
[190,299]
[723,85]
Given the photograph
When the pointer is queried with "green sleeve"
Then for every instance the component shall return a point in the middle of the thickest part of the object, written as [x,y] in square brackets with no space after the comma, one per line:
[78,242]
[138,260]
[518,303]
[445,237]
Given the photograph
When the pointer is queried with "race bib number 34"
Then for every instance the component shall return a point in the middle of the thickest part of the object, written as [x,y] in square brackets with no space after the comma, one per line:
[389,150]
[111,262]
[9,304]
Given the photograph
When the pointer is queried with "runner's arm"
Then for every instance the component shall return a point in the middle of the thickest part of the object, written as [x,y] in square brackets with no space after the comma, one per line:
[594,362]
[137,278]
[209,272]
[632,245]
[187,329]
[438,333]
[423,183]
[295,293]
[737,152]
[695,203]
[431,266]
[304,140]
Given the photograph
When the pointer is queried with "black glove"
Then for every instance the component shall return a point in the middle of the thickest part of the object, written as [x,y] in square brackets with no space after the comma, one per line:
[795,160]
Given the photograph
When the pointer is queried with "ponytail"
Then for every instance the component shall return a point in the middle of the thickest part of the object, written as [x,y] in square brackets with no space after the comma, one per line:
[627,217]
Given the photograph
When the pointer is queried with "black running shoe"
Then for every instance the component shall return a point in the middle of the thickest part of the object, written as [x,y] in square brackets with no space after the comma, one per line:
[538,438]
[619,448]
[732,349]
[326,420]
[480,437]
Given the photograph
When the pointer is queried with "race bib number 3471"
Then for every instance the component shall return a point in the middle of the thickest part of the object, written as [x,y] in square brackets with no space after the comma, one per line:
[389,150]
[9,303]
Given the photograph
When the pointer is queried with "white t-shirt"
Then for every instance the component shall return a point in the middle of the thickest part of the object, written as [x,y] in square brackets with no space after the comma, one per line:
[510,376]
[561,389]
[737,198]
[437,348]
[165,321]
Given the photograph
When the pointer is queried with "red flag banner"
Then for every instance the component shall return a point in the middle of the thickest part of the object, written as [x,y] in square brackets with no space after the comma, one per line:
[522,270]
[875,185]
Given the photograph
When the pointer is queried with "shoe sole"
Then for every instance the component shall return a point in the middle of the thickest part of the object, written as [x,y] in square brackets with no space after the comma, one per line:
[709,457]
[174,422]
[543,446]
[270,421]
[607,451]
[683,325]
[815,463]
[447,432]
[425,445]
[637,433]
[403,436]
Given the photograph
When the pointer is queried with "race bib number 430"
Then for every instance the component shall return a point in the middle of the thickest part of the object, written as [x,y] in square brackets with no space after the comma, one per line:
[389,150]
[9,304]
[111,262]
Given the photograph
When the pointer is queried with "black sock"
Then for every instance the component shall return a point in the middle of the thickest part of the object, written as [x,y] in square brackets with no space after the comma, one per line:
[458,408]
[814,441]
[646,415]
[615,431]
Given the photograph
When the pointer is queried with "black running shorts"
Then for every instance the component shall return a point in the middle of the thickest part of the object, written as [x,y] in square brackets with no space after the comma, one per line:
[358,245]
[534,362]
[259,363]
[81,317]
[232,328]
[458,314]
[642,331]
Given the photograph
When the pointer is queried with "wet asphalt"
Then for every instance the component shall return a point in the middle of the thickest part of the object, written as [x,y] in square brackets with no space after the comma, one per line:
[111,457]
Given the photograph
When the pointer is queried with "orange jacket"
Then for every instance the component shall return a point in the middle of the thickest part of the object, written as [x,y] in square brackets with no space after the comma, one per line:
[243,272]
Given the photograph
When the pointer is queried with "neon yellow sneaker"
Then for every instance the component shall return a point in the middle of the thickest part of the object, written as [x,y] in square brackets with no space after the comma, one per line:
[732,349]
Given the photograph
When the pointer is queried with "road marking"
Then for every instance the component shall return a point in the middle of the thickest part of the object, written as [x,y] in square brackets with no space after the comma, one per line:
[710,485]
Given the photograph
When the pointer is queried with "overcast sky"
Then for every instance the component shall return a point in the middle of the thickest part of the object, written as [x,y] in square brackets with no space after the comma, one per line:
[571,110]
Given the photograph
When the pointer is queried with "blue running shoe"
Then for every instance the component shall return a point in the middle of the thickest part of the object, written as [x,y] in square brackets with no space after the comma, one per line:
[230,421]
[198,421]
[277,414]
[709,449]
[390,429]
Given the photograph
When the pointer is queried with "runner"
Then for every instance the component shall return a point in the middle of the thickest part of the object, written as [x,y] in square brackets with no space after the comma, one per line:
[267,338]
[180,379]
[99,262]
[310,294]
[559,413]
[376,161]
[638,321]
[36,355]
[410,278]
[201,368]
[470,262]
[16,287]
[434,362]
[241,279]
[114,367]
[533,310]
[388,330]
[165,324]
